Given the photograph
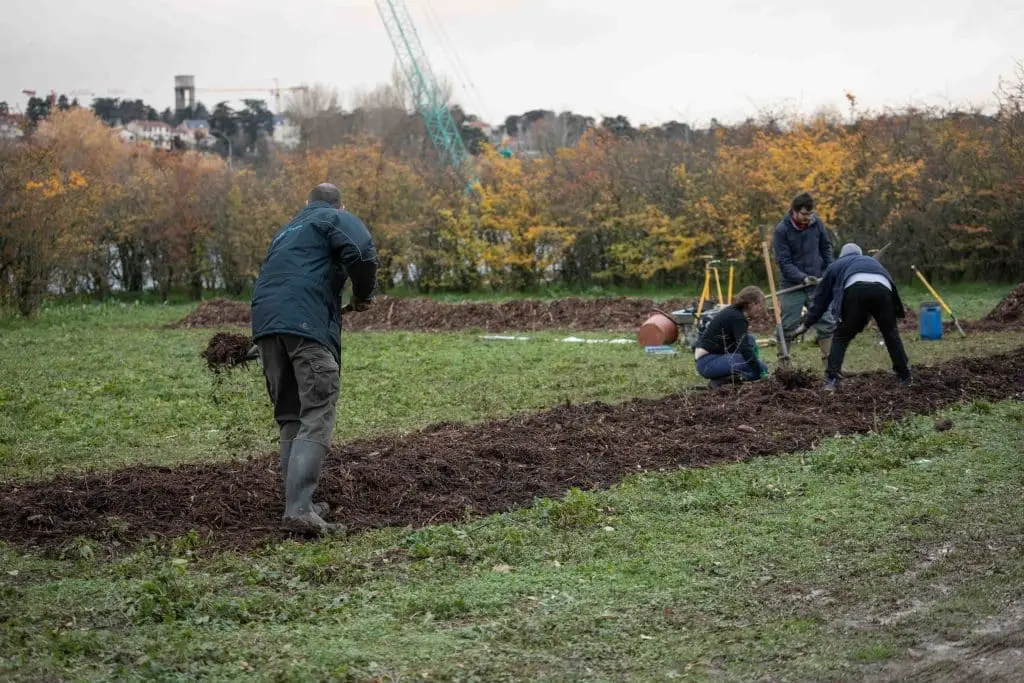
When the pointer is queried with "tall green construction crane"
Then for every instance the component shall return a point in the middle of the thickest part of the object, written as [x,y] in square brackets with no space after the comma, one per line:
[426,91]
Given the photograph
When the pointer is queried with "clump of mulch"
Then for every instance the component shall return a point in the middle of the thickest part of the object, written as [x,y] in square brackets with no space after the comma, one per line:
[798,378]
[226,351]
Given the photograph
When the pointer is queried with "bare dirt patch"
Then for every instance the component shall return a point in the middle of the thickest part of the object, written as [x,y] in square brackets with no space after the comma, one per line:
[446,471]
[992,651]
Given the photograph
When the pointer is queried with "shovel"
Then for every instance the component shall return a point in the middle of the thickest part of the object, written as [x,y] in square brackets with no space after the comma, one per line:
[939,299]
[784,348]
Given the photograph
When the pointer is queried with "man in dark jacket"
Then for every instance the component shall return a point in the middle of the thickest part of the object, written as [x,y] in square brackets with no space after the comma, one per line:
[856,288]
[296,324]
[803,251]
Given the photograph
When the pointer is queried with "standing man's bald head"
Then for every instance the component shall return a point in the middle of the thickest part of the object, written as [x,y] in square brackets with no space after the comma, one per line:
[325,192]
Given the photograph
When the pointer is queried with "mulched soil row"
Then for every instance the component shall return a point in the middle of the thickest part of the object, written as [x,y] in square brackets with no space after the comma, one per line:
[426,315]
[445,471]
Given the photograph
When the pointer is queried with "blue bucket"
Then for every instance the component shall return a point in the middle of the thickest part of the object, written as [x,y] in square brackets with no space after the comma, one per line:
[929,321]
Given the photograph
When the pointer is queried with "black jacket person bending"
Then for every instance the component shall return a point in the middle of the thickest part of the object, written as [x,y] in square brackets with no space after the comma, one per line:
[296,324]
[856,288]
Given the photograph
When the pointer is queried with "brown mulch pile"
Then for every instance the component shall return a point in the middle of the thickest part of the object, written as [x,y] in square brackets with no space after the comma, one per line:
[1010,309]
[217,313]
[445,471]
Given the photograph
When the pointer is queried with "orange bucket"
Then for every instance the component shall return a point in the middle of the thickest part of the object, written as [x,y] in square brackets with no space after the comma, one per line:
[658,330]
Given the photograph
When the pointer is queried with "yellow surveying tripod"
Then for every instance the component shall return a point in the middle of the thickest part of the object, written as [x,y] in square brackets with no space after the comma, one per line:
[711,266]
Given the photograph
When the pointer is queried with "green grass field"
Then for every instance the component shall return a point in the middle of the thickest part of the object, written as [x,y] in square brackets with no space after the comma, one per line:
[829,564]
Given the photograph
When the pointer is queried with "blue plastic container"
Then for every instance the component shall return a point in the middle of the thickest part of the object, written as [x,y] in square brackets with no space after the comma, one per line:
[929,321]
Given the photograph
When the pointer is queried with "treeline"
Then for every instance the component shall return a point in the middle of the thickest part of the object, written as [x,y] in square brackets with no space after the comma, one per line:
[83,212]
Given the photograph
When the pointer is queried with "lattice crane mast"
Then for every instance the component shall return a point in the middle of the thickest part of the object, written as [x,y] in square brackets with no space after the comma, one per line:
[426,91]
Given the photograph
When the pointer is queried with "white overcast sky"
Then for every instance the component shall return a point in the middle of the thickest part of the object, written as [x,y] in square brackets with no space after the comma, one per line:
[652,60]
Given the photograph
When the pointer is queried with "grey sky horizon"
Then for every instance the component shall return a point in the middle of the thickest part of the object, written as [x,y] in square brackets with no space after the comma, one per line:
[650,60]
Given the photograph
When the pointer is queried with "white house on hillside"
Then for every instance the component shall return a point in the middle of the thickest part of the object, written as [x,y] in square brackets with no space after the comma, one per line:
[157,133]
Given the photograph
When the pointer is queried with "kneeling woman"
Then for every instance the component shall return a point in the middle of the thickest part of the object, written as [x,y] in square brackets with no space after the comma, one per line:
[725,348]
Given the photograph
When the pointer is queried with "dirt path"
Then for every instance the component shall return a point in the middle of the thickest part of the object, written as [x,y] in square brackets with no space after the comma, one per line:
[442,472]
[993,650]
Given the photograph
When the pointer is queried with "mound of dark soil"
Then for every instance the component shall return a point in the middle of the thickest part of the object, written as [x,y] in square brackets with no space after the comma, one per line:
[446,471]
[796,378]
[217,313]
[1010,309]
[226,350]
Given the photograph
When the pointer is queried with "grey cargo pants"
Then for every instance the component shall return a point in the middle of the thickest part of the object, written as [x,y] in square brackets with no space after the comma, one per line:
[303,381]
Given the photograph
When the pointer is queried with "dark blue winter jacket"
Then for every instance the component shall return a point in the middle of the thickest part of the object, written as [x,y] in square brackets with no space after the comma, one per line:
[801,253]
[832,287]
[299,287]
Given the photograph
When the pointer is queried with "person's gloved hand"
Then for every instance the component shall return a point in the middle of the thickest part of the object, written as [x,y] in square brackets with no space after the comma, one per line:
[811,280]
[359,305]
[800,329]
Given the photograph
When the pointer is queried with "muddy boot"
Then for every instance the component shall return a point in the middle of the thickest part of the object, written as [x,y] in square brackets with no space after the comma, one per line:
[300,515]
[321,509]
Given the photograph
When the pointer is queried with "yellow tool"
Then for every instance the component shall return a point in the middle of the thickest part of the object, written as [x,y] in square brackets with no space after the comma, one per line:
[706,292]
[732,272]
[939,299]
[709,267]
[718,283]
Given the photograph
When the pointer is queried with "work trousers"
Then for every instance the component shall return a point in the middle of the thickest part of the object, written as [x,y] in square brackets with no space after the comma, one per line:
[861,302]
[303,381]
[792,312]
[720,365]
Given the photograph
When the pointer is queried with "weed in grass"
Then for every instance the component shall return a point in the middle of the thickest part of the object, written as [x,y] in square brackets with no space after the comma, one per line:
[577,510]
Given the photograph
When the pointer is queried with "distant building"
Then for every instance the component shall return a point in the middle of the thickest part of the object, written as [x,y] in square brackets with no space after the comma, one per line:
[157,133]
[193,132]
[122,133]
[481,126]
[287,134]
[11,126]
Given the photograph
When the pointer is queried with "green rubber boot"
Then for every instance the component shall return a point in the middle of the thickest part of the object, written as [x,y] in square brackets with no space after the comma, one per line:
[757,355]
[305,460]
